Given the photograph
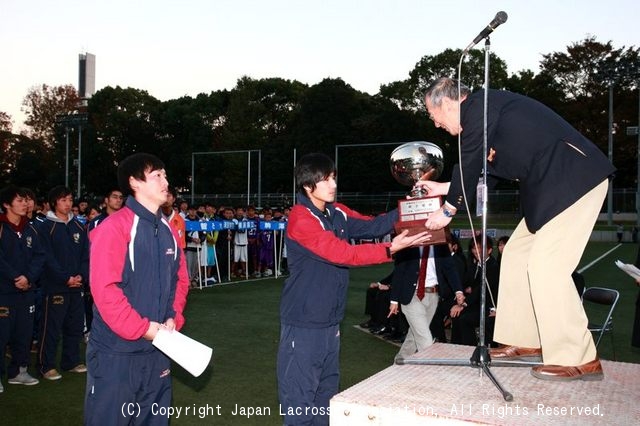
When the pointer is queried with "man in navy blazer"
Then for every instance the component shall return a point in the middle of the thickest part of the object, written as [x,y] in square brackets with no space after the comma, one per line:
[563,182]
[441,270]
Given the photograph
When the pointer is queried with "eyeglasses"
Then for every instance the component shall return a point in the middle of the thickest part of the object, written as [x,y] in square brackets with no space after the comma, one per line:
[119,197]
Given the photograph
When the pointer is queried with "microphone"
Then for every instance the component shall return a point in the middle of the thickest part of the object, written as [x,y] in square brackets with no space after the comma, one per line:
[501,18]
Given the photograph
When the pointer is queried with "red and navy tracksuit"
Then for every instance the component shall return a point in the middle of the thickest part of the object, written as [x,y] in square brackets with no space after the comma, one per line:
[67,255]
[314,299]
[21,253]
[138,275]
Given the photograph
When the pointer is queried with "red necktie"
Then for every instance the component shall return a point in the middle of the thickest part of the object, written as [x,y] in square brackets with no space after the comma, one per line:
[423,273]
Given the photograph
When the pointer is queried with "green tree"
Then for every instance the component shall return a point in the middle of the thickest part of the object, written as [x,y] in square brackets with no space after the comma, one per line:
[25,162]
[5,122]
[121,122]
[333,113]
[43,104]
[584,74]
[409,93]
[189,125]
[260,114]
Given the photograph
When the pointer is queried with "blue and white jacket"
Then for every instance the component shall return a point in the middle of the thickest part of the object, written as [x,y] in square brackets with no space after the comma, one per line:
[319,255]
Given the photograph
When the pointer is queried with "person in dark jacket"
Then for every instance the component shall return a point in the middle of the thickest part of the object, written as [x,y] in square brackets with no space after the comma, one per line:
[21,262]
[63,280]
[563,180]
[139,281]
[112,203]
[314,295]
[419,277]
[465,318]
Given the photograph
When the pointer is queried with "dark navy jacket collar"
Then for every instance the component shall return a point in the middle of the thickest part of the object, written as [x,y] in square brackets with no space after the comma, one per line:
[142,211]
[305,201]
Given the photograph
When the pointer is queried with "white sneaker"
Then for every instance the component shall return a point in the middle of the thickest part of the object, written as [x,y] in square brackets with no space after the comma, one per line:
[52,375]
[211,279]
[24,378]
[80,368]
[1,387]
[267,273]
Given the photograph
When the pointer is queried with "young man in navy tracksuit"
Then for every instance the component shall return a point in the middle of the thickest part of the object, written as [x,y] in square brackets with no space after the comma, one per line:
[65,274]
[139,283]
[21,263]
[314,296]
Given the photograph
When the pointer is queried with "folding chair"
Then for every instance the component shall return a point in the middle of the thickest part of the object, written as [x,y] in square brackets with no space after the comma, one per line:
[605,297]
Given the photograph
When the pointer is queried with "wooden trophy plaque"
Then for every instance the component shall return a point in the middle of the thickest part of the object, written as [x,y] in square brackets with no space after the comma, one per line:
[414,213]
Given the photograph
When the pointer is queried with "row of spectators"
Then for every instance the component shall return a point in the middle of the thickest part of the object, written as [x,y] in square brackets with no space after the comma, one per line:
[45,293]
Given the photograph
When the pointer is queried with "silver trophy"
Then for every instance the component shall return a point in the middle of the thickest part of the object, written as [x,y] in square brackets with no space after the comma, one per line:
[411,162]
[414,161]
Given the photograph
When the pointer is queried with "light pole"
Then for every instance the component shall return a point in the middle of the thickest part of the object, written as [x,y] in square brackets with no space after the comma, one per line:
[610,139]
[66,158]
[78,194]
[70,121]
[638,182]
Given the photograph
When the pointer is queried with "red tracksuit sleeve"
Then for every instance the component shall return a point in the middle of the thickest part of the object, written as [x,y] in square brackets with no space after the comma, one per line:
[182,286]
[107,260]
[306,230]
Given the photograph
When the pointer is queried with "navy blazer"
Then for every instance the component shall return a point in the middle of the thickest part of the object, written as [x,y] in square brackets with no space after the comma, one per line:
[407,268]
[553,162]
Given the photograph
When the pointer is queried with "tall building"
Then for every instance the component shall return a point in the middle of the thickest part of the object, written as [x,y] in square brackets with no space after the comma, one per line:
[87,75]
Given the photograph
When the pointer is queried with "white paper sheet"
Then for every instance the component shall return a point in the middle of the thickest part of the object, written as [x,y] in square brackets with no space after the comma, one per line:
[192,355]
[630,269]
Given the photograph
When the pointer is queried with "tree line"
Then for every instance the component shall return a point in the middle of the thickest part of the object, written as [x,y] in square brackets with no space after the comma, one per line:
[278,116]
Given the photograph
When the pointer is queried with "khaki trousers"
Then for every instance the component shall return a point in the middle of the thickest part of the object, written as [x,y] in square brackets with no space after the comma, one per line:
[419,314]
[538,305]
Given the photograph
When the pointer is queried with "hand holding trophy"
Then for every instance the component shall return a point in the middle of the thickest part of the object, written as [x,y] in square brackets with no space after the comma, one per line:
[410,163]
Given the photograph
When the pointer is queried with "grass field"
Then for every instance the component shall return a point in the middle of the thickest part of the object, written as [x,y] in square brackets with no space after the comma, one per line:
[240,321]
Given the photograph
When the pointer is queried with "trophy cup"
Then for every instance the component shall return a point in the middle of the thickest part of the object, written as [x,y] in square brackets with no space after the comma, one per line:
[411,162]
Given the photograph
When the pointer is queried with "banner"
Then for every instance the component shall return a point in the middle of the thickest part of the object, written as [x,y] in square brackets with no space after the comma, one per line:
[218,225]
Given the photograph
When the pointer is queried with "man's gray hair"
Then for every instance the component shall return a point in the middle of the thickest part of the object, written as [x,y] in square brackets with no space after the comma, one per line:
[445,87]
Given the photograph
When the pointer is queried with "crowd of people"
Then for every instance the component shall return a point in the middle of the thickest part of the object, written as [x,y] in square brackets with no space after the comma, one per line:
[241,249]
[45,292]
[453,315]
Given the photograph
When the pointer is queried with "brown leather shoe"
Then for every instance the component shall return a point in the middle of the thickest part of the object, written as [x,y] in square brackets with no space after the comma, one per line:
[515,353]
[589,371]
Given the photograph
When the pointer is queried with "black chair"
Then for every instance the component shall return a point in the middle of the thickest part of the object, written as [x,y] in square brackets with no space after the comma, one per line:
[599,304]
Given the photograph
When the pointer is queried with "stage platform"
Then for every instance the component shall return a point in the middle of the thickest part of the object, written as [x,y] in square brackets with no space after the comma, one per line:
[420,394]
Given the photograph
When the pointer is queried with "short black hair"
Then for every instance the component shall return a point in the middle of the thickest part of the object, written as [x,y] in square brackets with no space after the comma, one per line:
[10,193]
[29,194]
[57,192]
[172,190]
[478,240]
[135,166]
[111,191]
[311,169]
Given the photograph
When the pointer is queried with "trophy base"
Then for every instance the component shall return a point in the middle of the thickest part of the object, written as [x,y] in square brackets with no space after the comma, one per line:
[439,236]
[413,214]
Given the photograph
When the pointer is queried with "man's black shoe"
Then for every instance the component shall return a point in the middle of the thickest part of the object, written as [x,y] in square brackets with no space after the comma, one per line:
[380,330]
[369,324]
[390,331]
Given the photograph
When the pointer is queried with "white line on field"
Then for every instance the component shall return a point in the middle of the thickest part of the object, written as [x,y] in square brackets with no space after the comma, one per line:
[584,268]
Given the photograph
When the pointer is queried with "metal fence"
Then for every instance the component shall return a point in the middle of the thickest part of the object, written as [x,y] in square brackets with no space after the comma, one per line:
[505,202]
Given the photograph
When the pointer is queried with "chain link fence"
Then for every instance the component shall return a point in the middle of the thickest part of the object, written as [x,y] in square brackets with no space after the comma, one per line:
[502,202]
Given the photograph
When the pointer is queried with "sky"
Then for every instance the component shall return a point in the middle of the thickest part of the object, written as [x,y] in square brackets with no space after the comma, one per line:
[186,47]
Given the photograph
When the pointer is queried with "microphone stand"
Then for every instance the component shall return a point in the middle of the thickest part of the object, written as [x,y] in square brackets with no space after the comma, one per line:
[480,357]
